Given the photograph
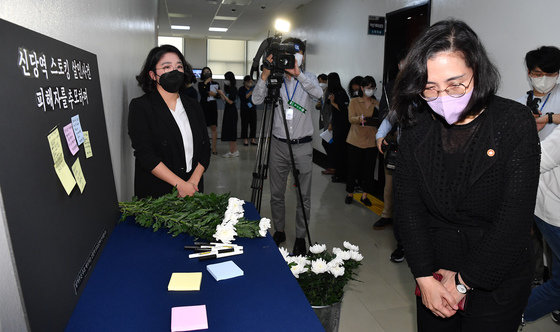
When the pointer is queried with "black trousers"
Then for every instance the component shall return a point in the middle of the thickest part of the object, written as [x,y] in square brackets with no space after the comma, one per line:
[329,149]
[499,310]
[361,167]
[248,121]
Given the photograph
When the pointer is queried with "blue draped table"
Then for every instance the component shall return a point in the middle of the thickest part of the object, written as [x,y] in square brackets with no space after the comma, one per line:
[127,290]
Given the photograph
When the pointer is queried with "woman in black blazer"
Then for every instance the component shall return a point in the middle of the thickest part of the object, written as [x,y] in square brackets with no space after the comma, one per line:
[465,185]
[167,128]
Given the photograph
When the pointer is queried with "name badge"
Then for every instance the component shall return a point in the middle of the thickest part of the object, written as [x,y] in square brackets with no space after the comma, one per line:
[289,114]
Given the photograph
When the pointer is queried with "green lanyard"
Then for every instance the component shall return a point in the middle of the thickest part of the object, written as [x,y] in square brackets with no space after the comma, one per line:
[291,101]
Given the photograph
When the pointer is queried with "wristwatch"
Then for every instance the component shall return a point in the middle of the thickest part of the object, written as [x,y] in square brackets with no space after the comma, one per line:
[550,120]
[460,287]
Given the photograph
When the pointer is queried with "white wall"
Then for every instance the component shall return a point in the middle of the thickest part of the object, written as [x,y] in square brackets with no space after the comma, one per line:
[337,38]
[120,33]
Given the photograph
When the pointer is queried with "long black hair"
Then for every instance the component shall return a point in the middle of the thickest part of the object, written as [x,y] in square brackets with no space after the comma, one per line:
[145,81]
[230,77]
[334,85]
[444,36]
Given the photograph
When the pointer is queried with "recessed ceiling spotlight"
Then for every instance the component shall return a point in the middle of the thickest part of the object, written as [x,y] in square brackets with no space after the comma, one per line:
[217,29]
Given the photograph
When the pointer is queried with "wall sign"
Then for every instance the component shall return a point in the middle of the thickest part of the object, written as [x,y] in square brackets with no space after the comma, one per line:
[376,25]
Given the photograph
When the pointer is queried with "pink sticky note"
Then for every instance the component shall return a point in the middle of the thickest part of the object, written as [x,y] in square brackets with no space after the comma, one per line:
[70,138]
[189,318]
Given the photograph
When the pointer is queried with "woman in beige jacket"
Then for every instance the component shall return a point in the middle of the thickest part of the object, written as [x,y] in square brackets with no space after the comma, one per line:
[362,151]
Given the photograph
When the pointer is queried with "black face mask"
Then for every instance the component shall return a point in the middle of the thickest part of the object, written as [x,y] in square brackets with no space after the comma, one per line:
[172,81]
[205,75]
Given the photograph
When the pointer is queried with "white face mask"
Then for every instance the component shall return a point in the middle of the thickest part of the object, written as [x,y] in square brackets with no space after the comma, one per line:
[323,85]
[543,84]
[369,92]
[299,59]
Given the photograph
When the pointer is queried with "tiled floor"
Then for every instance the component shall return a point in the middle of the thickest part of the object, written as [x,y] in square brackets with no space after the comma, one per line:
[383,300]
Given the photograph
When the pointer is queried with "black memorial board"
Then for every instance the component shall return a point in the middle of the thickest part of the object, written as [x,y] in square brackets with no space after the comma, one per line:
[55,236]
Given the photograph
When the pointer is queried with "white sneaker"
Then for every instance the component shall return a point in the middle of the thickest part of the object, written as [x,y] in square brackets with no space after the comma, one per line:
[227,155]
[235,154]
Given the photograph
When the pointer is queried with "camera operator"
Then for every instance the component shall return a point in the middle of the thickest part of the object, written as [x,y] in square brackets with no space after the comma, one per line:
[301,90]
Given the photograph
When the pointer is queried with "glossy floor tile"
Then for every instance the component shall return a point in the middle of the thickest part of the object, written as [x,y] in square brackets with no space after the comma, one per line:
[383,298]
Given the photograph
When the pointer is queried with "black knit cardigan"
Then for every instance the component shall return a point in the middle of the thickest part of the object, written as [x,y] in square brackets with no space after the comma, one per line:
[477,223]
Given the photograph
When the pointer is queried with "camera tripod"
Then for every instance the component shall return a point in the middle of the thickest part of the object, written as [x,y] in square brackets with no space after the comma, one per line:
[260,171]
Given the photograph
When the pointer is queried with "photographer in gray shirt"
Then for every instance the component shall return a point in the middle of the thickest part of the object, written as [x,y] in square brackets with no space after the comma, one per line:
[299,93]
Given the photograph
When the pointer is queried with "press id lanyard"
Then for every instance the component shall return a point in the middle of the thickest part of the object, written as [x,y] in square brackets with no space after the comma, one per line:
[545,101]
[292,103]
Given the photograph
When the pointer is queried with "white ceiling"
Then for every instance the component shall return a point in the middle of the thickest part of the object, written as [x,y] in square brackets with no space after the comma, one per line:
[253,17]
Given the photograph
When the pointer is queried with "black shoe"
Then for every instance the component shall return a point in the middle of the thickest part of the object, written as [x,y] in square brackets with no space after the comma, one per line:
[337,179]
[254,143]
[245,144]
[397,256]
[555,315]
[279,237]
[348,199]
[366,201]
[299,247]
[381,223]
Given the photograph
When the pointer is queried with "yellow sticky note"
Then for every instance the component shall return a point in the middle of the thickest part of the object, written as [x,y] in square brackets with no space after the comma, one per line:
[56,147]
[185,281]
[65,176]
[87,144]
[79,175]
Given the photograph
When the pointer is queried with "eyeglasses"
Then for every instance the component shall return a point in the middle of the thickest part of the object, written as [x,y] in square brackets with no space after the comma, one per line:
[168,68]
[454,90]
[533,73]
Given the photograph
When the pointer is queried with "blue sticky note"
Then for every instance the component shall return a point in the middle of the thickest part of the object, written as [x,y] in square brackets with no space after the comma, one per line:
[77,129]
[225,270]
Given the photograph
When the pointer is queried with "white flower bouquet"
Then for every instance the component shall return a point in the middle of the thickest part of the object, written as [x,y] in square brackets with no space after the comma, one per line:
[204,216]
[322,275]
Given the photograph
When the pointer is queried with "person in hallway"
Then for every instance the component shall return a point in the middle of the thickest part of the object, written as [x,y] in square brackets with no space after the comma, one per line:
[208,90]
[325,124]
[389,130]
[465,184]
[354,86]
[337,104]
[363,115]
[167,128]
[229,121]
[545,298]
[190,90]
[543,65]
[299,91]
[248,112]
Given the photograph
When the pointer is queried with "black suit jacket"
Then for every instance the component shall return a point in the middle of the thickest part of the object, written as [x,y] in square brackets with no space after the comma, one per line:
[478,222]
[156,138]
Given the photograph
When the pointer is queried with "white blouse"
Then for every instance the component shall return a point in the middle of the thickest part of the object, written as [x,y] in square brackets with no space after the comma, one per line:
[182,120]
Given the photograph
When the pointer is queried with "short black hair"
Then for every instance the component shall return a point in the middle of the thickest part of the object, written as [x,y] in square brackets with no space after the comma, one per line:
[547,58]
[296,41]
[357,80]
[247,78]
[145,81]
[367,80]
[323,77]
[444,36]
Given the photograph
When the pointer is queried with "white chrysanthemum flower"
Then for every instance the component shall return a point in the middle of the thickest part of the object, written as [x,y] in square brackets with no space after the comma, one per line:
[336,250]
[225,233]
[264,224]
[235,204]
[319,266]
[284,252]
[318,248]
[290,259]
[344,255]
[335,262]
[231,217]
[356,256]
[298,269]
[302,260]
[350,246]
[337,271]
